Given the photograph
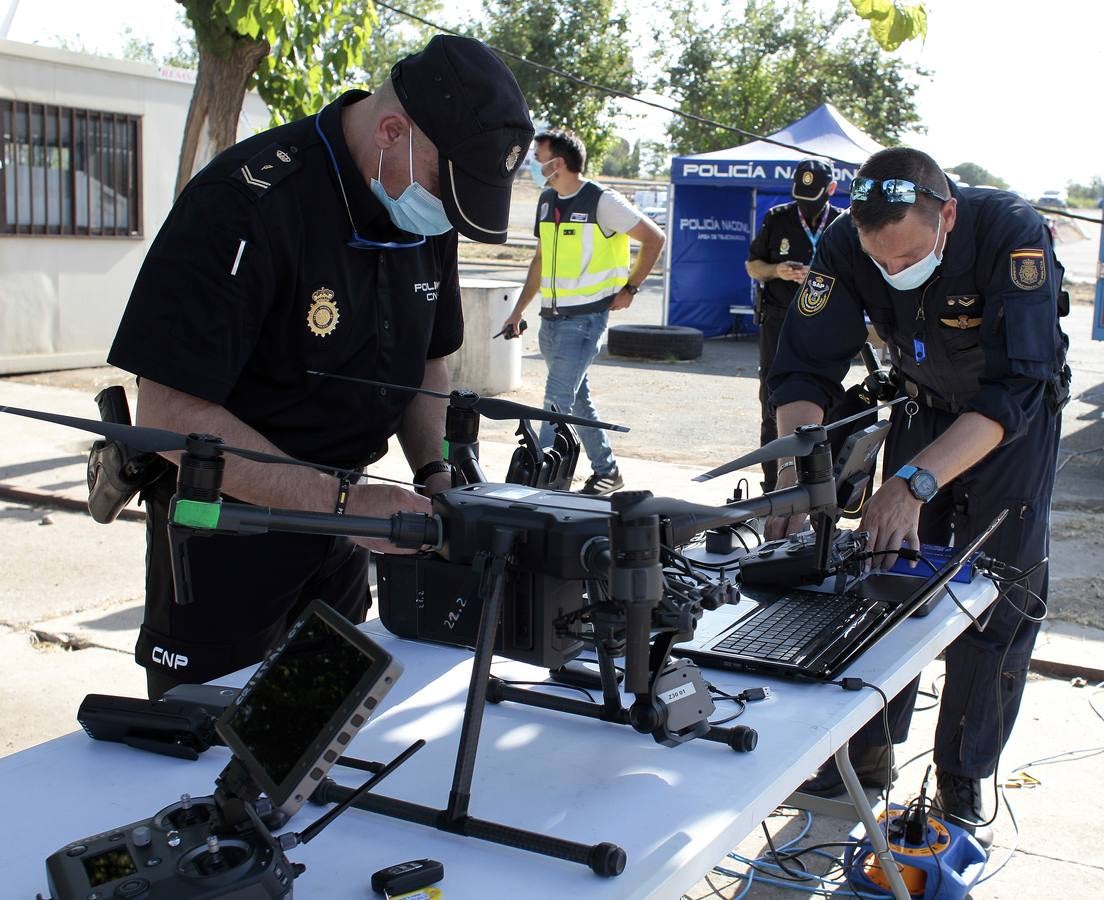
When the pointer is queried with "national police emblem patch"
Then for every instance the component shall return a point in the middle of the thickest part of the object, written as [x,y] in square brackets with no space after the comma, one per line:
[1028,268]
[784,247]
[815,293]
[323,316]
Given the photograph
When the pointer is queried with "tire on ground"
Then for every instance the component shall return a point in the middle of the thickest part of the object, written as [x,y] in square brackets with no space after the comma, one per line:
[655,341]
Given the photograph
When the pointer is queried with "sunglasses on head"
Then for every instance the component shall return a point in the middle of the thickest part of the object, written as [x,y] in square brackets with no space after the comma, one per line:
[894,190]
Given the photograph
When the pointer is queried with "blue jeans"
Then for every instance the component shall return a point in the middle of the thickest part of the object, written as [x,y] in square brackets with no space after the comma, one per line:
[569,345]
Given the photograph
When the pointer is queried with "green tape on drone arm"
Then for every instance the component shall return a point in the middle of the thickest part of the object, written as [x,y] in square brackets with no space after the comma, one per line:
[196,513]
[445,449]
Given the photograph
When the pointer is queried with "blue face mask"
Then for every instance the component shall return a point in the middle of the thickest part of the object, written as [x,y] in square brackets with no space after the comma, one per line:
[915,275]
[416,210]
[536,169]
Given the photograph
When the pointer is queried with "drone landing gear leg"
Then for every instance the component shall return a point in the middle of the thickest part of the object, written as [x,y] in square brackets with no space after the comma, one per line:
[739,738]
[609,710]
[604,859]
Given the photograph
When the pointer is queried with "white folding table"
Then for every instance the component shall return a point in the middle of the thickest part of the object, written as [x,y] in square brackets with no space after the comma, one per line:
[676,811]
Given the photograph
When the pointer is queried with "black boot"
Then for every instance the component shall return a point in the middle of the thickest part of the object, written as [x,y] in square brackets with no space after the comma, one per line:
[958,800]
[872,764]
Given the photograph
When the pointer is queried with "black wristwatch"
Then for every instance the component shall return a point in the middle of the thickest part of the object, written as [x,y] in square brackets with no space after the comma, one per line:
[633,289]
[431,468]
[921,483]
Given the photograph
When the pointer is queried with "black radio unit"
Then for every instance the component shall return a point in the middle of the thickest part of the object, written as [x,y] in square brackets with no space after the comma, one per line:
[172,855]
[286,728]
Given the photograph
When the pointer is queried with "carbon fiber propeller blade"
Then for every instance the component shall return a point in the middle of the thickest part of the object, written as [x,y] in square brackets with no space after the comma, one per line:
[157,440]
[797,444]
[800,443]
[148,440]
[687,519]
[491,407]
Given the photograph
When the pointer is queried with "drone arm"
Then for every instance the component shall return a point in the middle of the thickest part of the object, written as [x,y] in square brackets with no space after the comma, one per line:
[409,530]
[164,407]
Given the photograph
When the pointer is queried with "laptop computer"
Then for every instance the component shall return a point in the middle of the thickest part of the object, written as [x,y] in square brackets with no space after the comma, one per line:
[810,632]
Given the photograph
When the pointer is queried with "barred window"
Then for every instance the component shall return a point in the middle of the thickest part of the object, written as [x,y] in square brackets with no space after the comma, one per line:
[69,171]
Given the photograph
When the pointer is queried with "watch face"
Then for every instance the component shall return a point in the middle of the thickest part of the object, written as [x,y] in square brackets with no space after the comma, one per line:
[923,485]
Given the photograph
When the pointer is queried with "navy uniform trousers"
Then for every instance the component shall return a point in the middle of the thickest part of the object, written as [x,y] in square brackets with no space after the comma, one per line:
[771,318]
[247,590]
[987,671]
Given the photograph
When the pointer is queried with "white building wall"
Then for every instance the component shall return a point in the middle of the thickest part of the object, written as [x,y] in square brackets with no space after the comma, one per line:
[61,297]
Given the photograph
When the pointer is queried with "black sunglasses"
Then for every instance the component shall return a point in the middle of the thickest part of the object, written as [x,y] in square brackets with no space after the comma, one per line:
[895,190]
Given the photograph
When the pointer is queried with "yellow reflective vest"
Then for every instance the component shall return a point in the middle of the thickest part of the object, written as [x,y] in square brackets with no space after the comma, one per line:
[580,265]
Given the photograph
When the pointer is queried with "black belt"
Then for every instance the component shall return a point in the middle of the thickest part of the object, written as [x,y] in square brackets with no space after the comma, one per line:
[923,395]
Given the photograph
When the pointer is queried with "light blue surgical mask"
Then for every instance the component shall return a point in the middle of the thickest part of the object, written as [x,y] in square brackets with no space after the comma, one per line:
[416,210]
[915,275]
[536,169]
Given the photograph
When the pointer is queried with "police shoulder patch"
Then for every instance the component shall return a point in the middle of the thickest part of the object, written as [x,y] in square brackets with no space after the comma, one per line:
[1028,265]
[267,169]
[814,293]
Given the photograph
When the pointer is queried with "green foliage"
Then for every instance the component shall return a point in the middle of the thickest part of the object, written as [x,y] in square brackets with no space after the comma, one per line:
[775,63]
[589,39]
[972,173]
[137,49]
[1086,195]
[622,161]
[393,38]
[655,160]
[184,54]
[314,45]
[891,23]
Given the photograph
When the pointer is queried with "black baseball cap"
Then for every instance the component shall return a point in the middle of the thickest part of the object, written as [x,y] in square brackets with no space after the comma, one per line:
[811,179]
[469,105]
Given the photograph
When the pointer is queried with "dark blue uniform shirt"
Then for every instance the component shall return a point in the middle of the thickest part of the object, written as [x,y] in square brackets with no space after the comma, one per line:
[987,318]
[251,282]
[783,239]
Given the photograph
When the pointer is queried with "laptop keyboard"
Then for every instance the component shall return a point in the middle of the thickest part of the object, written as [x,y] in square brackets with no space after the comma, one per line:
[782,630]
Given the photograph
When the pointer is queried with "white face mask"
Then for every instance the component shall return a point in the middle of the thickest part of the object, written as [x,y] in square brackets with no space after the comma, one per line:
[915,275]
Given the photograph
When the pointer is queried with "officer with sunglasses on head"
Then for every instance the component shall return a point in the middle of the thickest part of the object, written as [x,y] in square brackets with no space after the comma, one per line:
[963,286]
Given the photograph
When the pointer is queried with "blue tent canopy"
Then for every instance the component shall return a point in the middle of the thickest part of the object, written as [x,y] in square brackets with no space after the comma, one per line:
[719,200]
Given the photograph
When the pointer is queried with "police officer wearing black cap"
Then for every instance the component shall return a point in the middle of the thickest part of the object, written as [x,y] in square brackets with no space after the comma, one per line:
[778,259]
[326,244]
[963,285]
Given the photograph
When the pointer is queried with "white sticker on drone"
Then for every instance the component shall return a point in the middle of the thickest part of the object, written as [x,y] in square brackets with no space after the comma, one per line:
[679,693]
[511,493]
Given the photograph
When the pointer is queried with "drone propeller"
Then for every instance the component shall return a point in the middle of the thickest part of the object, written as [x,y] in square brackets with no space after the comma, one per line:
[800,443]
[490,407]
[687,519]
[157,440]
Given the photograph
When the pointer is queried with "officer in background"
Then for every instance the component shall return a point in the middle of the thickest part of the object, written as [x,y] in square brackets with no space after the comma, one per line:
[581,270]
[325,244]
[963,286]
[779,260]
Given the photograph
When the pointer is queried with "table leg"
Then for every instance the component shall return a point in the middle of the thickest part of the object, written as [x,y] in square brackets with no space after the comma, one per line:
[874,833]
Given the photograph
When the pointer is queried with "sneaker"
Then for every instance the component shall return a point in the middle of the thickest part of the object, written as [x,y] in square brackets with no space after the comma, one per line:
[958,800]
[873,765]
[603,484]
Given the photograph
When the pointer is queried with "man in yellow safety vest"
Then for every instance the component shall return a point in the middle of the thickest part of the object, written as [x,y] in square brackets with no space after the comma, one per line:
[581,269]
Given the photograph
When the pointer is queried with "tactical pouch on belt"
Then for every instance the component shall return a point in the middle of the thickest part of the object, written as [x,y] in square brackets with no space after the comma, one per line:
[116,472]
[1057,391]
